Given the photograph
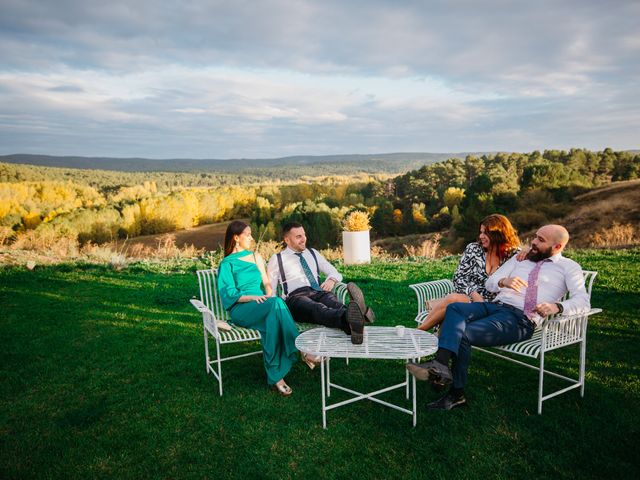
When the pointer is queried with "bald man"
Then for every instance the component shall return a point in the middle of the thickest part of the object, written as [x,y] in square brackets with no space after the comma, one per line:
[527,290]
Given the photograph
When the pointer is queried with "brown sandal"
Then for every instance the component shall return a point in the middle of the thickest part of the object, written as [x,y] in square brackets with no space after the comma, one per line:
[283,389]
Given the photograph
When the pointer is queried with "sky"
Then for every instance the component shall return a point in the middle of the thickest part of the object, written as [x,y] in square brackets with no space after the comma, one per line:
[266,79]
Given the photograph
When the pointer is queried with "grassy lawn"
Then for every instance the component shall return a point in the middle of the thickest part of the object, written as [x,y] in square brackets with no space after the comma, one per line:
[102,375]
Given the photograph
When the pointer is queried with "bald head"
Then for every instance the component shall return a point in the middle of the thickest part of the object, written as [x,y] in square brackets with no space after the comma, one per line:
[555,236]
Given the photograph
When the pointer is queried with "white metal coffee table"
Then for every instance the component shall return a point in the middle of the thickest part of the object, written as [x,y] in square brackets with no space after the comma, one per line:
[379,343]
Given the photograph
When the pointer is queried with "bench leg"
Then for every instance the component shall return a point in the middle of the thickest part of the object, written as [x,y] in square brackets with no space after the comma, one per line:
[219,362]
[541,383]
[206,352]
[583,361]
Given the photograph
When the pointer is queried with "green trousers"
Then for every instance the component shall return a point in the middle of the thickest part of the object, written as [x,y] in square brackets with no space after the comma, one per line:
[274,322]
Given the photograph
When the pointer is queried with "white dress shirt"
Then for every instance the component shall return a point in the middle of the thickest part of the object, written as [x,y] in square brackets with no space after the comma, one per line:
[557,277]
[293,269]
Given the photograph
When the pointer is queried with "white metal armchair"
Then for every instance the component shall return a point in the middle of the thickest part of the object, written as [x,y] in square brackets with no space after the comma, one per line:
[210,305]
[555,332]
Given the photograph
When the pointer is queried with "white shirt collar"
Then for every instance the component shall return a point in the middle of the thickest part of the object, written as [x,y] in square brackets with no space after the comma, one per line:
[555,258]
[291,251]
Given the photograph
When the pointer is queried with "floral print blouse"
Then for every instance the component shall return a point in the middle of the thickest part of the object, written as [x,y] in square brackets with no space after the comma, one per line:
[471,274]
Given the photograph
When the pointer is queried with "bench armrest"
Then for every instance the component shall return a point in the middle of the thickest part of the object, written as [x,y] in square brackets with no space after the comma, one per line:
[427,291]
[340,291]
[209,319]
[560,320]
[565,329]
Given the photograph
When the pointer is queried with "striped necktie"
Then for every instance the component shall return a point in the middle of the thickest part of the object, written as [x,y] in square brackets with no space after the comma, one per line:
[313,283]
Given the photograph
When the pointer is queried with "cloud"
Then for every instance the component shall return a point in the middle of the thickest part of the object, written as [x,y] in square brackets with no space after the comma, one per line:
[66,89]
[216,79]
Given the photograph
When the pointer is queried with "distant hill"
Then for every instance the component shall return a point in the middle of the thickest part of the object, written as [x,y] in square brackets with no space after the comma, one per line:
[610,212]
[602,211]
[308,164]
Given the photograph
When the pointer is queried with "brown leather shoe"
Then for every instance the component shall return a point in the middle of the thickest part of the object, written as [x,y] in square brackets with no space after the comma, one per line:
[369,316]
[356,295]
[356,323]
[432,370]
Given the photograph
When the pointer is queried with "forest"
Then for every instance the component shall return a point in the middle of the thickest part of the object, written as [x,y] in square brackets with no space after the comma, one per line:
[100,206]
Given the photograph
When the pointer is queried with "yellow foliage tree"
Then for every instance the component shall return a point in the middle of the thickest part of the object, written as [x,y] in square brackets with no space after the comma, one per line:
[397,217]
[418,213]
[31,220]
[453,196]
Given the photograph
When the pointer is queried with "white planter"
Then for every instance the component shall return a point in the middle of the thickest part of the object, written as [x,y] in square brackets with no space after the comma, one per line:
[356,247]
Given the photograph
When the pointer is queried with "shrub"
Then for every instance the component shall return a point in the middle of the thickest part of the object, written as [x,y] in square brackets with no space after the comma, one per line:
[528,219]
[268,248]
[616,235]
[427,249]
[6,234]
[356,221]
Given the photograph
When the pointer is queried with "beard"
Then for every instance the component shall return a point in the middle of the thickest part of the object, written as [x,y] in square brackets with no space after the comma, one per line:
[536,255]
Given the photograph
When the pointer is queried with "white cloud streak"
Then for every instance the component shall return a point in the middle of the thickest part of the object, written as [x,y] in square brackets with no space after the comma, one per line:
[280,77]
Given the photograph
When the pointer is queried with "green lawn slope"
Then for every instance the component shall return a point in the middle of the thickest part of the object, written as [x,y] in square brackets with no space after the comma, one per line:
[102,376]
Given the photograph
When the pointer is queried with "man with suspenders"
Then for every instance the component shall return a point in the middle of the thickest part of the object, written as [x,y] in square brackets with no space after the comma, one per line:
[297,269]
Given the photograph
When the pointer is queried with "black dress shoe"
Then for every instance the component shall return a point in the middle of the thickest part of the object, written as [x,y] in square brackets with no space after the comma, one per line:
[448,402]
[432,370]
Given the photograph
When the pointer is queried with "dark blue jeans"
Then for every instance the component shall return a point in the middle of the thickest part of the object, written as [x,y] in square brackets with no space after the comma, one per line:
[484,324]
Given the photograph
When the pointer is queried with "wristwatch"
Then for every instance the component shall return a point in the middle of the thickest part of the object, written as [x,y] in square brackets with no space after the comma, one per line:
[560,307]
[501,283]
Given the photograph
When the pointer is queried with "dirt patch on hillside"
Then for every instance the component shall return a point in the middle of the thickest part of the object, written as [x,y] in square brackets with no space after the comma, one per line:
[602,212]
[610,212]
[209,237]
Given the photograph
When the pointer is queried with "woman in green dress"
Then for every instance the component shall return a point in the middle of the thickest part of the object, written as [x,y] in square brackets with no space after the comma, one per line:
[246,293]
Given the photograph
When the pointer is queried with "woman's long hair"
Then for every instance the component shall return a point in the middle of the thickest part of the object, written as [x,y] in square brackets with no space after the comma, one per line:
[235,228]
[503,238]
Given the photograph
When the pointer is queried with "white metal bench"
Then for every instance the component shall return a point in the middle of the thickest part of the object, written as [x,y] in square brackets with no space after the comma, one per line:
[555,332]
[210,305]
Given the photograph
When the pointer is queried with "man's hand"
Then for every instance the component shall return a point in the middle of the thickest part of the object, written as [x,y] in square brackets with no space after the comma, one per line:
[328,284]
[514,283]
[476,297]
[546,309]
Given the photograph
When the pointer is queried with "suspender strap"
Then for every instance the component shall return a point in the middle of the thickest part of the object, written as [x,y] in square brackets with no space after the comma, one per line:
[313,254]
[283,279]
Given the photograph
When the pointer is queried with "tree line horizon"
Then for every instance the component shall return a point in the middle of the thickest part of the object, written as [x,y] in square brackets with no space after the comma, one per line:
[455,194]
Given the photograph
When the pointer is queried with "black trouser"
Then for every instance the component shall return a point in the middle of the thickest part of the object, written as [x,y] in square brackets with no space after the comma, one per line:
[312,306]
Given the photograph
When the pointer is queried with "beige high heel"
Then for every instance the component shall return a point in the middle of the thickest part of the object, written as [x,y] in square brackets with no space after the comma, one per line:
[311,361]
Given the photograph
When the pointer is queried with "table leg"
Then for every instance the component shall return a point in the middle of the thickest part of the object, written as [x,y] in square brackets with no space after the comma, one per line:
[406,377]
[415,411]
[324,410]
[328,377]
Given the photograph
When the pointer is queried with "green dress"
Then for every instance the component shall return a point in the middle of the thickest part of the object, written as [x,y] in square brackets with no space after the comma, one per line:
[271,318]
